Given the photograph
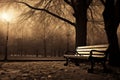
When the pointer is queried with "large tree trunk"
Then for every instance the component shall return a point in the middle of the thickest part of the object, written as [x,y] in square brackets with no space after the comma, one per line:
[81,30]
[80,13]
[113,49]
[81,22]
[111,19]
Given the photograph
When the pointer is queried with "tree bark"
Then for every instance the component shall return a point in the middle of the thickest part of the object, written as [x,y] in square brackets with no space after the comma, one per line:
[80,14]
[111,21]
[81,28]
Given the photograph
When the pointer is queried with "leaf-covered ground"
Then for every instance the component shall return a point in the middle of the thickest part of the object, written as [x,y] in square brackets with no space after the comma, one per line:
[54,70]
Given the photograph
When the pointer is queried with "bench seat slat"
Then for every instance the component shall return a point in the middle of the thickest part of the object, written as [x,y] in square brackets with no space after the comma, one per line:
[93,46]
[88,53]
[89,49]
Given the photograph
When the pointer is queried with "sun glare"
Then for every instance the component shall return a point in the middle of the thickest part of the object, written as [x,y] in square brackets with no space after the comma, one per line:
[8,15]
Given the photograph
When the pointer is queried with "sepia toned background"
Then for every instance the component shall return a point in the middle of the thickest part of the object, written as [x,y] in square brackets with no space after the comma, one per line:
[37,33]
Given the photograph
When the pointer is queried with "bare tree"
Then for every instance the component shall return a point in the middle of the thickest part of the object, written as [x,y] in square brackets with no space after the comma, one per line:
[111,16]
[111,19]
[80,13]
[53,8]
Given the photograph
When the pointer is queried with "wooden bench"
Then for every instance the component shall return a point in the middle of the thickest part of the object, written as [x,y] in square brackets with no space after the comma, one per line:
[94,53]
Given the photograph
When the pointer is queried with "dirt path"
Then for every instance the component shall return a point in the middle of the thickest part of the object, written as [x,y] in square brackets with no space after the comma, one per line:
[53,70]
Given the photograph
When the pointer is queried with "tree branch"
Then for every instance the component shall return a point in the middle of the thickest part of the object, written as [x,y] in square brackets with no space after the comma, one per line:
[57,16]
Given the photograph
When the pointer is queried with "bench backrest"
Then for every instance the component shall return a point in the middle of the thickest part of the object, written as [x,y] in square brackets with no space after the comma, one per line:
[85,50]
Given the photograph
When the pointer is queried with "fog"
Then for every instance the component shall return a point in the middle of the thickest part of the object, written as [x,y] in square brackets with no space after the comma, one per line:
[36,32]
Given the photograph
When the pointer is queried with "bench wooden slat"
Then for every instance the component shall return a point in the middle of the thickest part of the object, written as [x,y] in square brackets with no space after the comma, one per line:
[88,50]
[88,53]
[84,53]
[93,46]
[100,56]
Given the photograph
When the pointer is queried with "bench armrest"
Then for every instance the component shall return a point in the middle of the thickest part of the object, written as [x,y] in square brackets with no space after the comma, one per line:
[91,52]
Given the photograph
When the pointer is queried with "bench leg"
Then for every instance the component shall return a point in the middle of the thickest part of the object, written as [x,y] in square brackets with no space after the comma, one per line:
[76,61]
[92,67]
[67,61]
[104,67]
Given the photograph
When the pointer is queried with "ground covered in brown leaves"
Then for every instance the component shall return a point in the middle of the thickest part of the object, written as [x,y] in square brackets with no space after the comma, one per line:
[54,70]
